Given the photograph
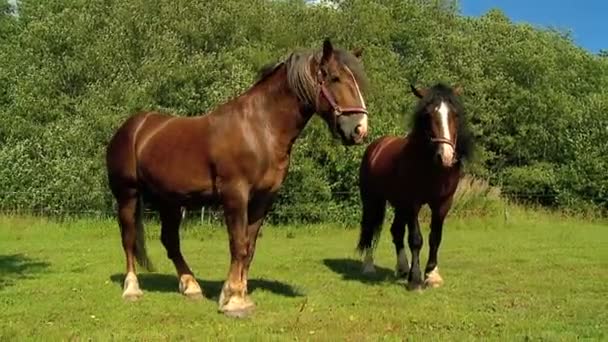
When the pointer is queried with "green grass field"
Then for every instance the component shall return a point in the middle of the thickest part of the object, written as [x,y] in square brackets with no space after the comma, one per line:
[535,276]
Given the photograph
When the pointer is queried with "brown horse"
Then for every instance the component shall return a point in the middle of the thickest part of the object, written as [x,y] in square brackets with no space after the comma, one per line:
[236,156]
[422,168]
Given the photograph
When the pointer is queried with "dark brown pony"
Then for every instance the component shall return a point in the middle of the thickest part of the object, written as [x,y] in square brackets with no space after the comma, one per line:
[408,172]
[236,156]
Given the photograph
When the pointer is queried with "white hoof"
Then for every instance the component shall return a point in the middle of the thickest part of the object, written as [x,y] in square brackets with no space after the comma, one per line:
[235,305]
[131,290]
[368,263]
[433,279]
[368,268]
[189,287]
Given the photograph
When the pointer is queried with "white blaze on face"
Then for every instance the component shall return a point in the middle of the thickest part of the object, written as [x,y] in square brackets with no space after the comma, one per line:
[446,151]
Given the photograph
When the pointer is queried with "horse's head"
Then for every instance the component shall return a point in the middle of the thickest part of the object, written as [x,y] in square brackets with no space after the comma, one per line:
[340,100]
[437,117]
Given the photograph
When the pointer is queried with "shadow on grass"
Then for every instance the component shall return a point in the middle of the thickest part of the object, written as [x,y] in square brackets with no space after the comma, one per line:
[15,267]
[156,282]
[351,270]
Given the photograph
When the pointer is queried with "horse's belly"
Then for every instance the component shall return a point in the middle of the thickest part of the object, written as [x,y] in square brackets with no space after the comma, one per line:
[174,174]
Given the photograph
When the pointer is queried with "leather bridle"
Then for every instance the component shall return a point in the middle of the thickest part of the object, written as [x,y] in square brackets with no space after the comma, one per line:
[338,111]
[443,141]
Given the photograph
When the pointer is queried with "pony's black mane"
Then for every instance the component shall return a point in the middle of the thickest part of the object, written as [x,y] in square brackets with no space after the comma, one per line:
[435,94]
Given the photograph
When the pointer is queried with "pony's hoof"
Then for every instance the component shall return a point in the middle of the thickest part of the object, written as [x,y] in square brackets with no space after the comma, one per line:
[401,277]
[433,279]
[414,287]
[368,268]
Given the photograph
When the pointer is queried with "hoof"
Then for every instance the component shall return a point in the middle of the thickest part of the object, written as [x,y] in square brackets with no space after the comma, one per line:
[401,277]
[414,287]
[368,268]
[132,296]
[131,291]
[190,288]
[433,279]
[238,307]
[239,313]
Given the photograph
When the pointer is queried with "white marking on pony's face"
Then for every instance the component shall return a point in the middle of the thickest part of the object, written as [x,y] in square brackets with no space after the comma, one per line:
[444,111]
[445,150]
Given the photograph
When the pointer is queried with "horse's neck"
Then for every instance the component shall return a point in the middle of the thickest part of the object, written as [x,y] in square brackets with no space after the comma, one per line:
[418,144]
[280,110]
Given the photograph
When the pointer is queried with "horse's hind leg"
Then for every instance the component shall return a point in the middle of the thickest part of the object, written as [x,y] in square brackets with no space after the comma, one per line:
[127,217]
[398,233]
[170,217]
[371,225]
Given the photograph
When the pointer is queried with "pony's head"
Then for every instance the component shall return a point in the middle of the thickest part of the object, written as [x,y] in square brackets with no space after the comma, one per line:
[440,118]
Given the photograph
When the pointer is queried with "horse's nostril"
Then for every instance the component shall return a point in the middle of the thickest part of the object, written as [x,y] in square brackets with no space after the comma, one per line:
[358,129]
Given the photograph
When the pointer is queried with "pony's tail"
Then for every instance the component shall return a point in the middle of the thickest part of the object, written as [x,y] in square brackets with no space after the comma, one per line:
[371,223]
[141,255]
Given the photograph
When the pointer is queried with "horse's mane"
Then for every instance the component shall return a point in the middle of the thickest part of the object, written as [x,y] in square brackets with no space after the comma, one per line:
[442,92]
[299,77]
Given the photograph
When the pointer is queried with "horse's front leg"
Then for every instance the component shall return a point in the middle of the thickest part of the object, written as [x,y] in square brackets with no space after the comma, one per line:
[234,300]
[414,239]
[432,278]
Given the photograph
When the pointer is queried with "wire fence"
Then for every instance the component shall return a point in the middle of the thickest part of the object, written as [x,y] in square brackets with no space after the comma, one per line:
[209,214]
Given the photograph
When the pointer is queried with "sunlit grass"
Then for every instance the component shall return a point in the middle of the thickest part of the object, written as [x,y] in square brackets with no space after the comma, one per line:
[523,276]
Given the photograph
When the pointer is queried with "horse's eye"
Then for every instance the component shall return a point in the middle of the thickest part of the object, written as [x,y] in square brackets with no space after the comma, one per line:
[335,79]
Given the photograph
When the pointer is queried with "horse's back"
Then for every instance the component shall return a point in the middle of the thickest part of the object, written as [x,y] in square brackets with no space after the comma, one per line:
[379,162]
[381,155]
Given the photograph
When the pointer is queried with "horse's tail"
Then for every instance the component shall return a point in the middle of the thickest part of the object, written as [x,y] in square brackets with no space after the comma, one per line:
[371,227]
[141,255]
[371,221]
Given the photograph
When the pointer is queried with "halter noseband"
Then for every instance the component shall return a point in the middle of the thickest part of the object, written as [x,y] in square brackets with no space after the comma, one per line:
[443,141]
[332,101]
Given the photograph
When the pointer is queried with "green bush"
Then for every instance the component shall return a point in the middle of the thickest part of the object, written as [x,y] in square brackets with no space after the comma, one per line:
[73,71]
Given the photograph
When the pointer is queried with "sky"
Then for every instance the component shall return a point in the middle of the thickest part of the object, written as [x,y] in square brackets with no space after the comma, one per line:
[587,20]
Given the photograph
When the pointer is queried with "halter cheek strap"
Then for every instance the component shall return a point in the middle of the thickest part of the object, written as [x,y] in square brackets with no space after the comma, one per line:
[323,91]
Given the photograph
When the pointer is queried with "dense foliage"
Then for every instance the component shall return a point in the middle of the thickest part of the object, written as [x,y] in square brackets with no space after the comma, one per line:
[72,70]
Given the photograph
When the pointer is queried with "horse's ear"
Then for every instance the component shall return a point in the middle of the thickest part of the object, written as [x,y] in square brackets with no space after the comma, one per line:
[458,90]
[328,51]
[418,92]
[358,52]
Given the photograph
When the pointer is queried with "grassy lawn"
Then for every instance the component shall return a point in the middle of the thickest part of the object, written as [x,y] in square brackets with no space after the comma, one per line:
[534,276]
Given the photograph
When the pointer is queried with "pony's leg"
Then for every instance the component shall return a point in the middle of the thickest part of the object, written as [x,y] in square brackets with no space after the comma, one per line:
[127,207]
[256,213]
[398,232]
[414,239]
[234,300]
[170,218]
[371,225]
[431,273]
